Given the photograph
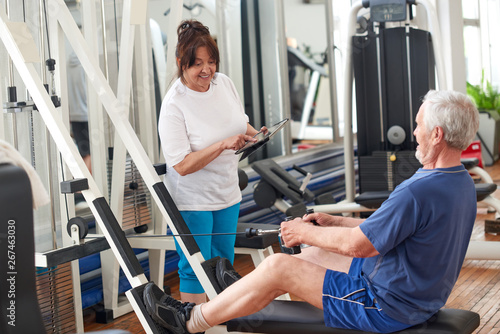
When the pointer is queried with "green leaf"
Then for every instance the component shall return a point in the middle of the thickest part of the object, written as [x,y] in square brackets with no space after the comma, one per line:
[485,96]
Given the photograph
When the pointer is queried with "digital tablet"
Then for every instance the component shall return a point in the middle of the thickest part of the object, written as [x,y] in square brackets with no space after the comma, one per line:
[262,139]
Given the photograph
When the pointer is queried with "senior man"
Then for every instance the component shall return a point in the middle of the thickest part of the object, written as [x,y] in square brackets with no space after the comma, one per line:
[383,274]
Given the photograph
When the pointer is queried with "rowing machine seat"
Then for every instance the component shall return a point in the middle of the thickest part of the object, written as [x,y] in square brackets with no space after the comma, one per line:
[483,190]
[374,199]
[469,162]
[295,317]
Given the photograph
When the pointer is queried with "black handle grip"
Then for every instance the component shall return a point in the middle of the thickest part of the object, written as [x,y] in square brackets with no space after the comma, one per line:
[288,250]
[250,232]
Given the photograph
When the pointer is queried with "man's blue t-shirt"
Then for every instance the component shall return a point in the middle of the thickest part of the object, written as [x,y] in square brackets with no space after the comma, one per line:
[421,232]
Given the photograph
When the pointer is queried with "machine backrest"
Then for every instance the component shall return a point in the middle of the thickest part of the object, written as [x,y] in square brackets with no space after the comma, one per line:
[20,311]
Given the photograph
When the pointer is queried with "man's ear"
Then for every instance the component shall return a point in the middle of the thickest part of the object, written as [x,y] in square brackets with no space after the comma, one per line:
[437,134]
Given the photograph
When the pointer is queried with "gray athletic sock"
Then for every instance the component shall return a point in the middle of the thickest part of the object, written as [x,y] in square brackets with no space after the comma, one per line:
[197,322]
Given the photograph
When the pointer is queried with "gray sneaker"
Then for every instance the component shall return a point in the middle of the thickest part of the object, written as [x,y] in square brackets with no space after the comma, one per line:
[165,310]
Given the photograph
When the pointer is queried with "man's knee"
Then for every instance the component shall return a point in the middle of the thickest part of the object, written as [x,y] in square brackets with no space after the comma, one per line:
[279,263]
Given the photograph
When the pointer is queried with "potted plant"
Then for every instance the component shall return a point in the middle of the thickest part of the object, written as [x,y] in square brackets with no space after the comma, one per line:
[485,96]
[487,100]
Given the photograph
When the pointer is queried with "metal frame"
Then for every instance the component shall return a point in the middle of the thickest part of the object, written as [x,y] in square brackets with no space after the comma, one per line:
[22,50]
[348,82]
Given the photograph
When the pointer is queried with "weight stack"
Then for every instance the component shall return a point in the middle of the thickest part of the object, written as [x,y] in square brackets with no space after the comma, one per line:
[55,296]
[137,209]
[379,172]
[393,71]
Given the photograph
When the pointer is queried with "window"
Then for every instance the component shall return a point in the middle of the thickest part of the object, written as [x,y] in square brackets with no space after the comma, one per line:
[481,22]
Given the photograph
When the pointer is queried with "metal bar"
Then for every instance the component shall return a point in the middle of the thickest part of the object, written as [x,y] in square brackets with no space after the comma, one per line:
[380,88]
[54,123]
[436,41]
[286,137]
[308,103]
[408,67]
[332,72]
[350,183]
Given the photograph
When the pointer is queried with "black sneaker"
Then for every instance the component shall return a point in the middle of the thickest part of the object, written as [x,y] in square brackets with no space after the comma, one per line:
[225,273]
[165,310]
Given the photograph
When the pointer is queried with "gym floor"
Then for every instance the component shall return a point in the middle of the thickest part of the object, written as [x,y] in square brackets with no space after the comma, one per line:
[477,288]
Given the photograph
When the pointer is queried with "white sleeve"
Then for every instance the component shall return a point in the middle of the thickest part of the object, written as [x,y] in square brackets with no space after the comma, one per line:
[232,87]
[173,136]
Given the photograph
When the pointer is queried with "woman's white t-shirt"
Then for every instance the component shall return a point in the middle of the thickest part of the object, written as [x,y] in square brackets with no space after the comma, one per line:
[191,121]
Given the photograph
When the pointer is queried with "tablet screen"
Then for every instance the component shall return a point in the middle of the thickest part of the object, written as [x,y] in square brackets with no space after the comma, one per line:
[262,138]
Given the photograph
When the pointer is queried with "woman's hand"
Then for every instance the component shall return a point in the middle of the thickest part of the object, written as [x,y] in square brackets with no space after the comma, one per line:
[236,142]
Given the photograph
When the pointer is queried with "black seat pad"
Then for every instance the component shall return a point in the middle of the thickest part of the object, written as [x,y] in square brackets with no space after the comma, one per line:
[372,199]
[295,317]
[281,180]
[484,189]
[469,162]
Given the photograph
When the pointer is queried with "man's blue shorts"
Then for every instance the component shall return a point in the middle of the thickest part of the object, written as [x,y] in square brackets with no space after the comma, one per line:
[348,303]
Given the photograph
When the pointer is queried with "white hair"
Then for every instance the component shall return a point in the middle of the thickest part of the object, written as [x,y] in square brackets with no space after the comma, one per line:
[455,113]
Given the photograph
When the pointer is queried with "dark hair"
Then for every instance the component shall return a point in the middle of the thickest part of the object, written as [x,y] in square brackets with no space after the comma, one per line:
[191,35]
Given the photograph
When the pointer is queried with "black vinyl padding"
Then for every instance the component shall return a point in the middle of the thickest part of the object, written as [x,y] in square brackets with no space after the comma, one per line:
[469,162]
[372,199]
[483,190]
[295,317]
[73,186]
[282,181]
[176,217]
[66,254]
[19,309]
[118,236]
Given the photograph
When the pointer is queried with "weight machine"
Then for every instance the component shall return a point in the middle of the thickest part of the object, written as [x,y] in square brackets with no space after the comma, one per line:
[393,68]
[22,55]
[23,52]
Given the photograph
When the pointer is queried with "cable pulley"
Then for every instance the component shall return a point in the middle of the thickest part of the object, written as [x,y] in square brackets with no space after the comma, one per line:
[249,233]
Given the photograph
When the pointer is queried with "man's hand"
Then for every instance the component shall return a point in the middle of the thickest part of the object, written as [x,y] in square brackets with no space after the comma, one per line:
[324,219]
[347,239]
[293,232]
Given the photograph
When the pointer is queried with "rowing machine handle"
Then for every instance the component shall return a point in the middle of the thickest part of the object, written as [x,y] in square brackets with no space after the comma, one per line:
[288,250]
[253,232]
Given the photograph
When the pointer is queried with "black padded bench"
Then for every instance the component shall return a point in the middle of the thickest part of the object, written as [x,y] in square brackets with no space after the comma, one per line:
[295,317]
[374,199]
[262,241]
[258,247]
[469,162]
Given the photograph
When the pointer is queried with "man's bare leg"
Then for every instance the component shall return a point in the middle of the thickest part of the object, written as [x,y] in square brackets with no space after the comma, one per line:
[328,260]
[278,274]
[196,298]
